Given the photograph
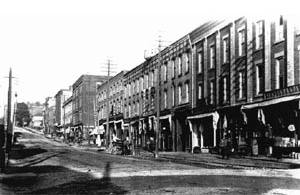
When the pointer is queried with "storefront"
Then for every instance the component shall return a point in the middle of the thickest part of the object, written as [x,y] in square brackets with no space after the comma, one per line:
[274,125]
[166,138]
[203,128]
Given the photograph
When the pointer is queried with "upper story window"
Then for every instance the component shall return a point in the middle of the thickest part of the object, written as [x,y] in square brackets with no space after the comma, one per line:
[241,85]
[146,81]
[137,85]
[179,65]
[279,74]
[200,62]
[165,99]
[142,83]
[211,91]
[259,34]
[179,94]
[259,78]
[225,49]
[200,94]
[186,61]
[212,57]
[186,92]
[129,89]
[172,68]
[173,95]
[242,42]
[151,79]
[164,72]
[279,35]
[225,94]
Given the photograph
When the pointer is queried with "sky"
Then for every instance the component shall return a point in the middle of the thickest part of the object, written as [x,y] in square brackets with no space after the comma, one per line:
[49,44]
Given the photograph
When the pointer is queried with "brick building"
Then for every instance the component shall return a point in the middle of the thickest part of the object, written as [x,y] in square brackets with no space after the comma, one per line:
[83,102]
[116,94]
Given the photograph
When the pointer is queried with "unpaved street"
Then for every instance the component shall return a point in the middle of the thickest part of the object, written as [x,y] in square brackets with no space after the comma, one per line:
[43,166]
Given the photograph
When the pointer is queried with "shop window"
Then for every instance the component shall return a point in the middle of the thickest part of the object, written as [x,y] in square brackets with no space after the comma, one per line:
[241,42]
[259,34]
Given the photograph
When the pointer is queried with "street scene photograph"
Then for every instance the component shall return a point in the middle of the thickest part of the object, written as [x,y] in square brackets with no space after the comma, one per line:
[149,97]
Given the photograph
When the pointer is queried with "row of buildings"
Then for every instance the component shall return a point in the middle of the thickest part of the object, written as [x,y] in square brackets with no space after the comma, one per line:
[234,78]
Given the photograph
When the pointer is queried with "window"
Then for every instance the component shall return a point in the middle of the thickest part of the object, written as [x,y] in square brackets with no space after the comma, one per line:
[165,72]
[212,56]
[186,62]
[172,68]
[242,85]
[200,91]
[173,95]
[151,79]
[225,95]
[146,81]
[137,108]
[279,74]
[211,92]
[259,78]
[279,30]
[225,49]
[179,64]
[179,94]
[241,41]
[165,99]
[142,83]
[259,34]
[186,92]
[200,62]
[137,85]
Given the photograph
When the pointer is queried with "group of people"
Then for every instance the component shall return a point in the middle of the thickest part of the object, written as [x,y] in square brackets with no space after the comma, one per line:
[73,135]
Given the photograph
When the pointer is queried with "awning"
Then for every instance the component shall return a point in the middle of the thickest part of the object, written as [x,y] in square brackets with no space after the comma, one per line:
[270,102]
[165,117]
[201,115]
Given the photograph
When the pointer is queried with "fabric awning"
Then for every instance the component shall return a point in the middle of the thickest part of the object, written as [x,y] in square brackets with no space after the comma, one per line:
[270,102]
[201,115]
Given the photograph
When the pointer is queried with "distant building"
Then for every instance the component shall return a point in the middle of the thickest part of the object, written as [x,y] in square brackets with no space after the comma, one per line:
[49,115]
[67,112]
[83,108]
[61,96]
[116,90]
[37,122]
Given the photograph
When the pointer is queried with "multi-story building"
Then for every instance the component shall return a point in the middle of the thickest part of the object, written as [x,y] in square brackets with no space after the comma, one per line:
[116,94]
[83,102]
[49,115]
[60,97]
[246,75]
[67,113]
[238,78]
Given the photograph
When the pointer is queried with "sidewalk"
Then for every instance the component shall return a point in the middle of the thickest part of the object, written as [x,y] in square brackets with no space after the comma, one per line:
[208,160]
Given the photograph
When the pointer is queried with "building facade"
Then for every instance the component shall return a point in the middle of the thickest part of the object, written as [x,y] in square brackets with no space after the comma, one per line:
[60,97]
[67,113]
[49,115]
[116,94]
[83,102]
[236,78]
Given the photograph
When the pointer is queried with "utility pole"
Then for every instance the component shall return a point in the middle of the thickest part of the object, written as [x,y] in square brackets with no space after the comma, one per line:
[158,100]
[9,131]
[107,105]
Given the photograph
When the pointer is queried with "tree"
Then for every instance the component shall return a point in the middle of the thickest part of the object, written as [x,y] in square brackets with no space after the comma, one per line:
[22,114]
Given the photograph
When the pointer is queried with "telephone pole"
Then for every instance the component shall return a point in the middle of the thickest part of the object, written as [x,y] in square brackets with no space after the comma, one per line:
[9,131]
[158,100]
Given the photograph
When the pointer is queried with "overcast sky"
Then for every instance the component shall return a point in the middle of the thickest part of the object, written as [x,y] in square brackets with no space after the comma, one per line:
[49,44]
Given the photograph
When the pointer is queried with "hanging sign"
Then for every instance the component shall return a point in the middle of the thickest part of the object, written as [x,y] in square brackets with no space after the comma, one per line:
[291,127]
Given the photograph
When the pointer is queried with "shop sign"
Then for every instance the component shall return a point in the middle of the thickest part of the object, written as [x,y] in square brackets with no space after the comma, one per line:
[282,92]
[291,128]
